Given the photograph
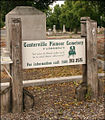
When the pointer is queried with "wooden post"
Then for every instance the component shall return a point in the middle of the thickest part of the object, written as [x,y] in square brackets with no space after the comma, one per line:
[84,35]
[92,68]
[5,100]
[81,90]
[16,67]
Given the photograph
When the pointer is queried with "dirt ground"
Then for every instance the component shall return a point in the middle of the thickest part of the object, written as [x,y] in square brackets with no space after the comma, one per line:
[58,102]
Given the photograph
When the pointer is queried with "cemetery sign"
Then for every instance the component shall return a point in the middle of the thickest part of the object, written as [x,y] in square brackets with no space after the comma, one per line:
[50,53]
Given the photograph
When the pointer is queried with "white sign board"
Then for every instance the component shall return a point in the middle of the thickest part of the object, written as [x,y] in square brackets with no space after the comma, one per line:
[50,53]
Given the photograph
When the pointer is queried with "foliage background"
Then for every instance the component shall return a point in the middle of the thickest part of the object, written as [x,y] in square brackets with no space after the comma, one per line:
[68,14]
[71,12]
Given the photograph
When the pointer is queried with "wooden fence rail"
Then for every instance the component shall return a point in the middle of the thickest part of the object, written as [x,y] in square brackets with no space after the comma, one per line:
[37,82]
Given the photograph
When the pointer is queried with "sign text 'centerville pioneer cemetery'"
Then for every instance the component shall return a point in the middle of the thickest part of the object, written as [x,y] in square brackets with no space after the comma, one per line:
[50,53]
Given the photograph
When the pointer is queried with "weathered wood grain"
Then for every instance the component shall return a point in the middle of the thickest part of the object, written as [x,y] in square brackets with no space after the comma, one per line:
[16,67]
[92,68]
[84,35]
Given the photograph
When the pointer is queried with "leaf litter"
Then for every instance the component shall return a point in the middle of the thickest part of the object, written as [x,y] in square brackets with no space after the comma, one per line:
[58,102]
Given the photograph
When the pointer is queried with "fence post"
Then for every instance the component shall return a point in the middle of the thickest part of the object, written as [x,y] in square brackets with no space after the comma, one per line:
[81,90]
[84,35]
[16,67]
[92,68]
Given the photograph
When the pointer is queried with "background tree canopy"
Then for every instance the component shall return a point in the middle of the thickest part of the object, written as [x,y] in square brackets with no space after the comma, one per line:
[68,14]
[8,5]
[71,12]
